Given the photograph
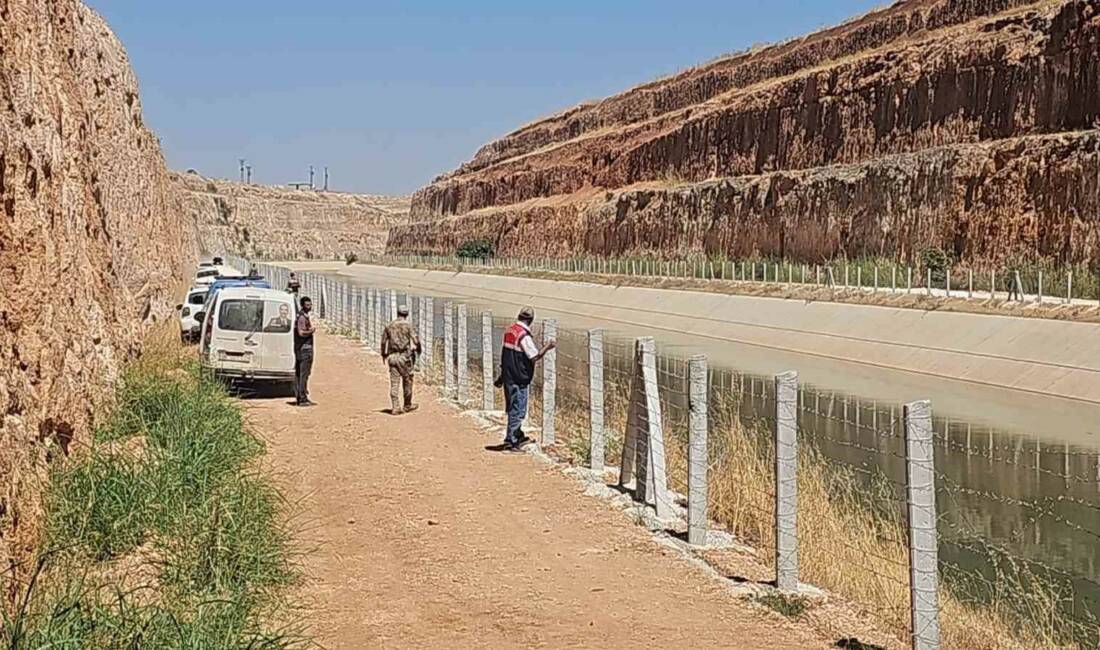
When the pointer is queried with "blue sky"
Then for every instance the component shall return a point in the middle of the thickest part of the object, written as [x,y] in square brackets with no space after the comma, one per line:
[388,94]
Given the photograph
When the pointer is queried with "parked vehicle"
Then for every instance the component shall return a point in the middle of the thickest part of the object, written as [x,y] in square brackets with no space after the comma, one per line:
[191,305]
[208,274]
[247,334]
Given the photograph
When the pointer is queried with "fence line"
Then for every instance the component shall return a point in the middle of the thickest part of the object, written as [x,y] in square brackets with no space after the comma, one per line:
[662,408]
[1072,285]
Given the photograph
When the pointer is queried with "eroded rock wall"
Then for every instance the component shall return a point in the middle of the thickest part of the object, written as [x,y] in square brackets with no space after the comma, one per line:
[926,82]
[995,202]
[93,243]
[261,222]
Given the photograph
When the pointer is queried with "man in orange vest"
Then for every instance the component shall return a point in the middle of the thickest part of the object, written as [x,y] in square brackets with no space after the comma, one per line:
[517,368]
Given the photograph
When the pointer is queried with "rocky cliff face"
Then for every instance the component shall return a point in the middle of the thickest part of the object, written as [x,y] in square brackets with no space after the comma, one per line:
[93,242]
[959,124]
[275,223]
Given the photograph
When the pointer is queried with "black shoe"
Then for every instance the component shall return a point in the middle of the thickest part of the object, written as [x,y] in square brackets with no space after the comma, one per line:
[522,439]
[307,402]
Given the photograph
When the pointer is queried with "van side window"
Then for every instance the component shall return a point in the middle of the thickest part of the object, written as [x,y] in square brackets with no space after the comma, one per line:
[241,315]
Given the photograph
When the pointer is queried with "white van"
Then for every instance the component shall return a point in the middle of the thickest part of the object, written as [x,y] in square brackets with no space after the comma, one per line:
[206,275]
[248,333]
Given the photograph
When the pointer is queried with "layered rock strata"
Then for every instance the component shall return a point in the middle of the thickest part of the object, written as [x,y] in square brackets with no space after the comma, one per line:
[290,224]
[958,124]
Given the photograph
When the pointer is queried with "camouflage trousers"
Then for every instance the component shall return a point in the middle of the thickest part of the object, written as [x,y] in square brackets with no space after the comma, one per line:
[401,382]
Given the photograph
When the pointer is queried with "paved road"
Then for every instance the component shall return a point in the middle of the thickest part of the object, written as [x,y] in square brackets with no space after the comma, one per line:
[426,540]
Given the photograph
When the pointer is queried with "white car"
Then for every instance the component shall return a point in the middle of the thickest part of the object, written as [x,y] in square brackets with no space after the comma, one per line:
[207,274]
[191,305]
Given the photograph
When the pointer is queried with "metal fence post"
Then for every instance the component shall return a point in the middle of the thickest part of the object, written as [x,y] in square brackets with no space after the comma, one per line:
[697,452]
[488,390]
[462,362]
[448,349]
[923,554]
[595,401]
[786,481]
[549,382]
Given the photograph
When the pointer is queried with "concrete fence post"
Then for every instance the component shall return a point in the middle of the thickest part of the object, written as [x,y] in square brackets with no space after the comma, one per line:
[372,317]
[928,283]
[697,452]
[487,388]
[383,310]
[393,307]
[1069,287]
[923,553]
[427,323]
[448,350]
[360,319]
[462,362]
[643,454]
[596,442]
[325,293]
[549,383]
[786,481]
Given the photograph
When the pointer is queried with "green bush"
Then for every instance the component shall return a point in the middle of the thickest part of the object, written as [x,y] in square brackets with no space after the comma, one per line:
[481,249]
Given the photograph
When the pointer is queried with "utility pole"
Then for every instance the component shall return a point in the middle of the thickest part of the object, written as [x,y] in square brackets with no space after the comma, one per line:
[242,161]
[326,178]
[311,177]
[249,169]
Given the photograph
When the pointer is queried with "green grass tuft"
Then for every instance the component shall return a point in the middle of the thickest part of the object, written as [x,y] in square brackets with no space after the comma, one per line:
[161,534]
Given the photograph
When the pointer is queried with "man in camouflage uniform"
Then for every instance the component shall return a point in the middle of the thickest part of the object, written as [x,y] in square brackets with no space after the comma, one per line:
[400,347]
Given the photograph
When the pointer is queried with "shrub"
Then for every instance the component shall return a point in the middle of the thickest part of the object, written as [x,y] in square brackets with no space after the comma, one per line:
[351,258]
[476,249]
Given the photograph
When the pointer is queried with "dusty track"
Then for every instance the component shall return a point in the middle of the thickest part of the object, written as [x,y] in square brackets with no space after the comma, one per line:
[425,539]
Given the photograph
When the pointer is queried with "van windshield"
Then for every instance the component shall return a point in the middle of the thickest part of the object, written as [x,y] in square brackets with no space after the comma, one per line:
[241,315]
[197,298]
[207,273]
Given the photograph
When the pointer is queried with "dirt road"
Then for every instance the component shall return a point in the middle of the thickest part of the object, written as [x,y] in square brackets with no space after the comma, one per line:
[425,539]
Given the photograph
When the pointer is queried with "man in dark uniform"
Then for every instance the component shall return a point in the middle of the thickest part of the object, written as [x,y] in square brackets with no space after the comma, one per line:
[303,352]
[517,368]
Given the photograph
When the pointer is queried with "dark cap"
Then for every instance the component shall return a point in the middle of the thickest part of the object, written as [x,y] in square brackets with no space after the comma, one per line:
[527,313]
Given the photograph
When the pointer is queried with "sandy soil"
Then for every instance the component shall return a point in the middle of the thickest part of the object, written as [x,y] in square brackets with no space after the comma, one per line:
[420,537]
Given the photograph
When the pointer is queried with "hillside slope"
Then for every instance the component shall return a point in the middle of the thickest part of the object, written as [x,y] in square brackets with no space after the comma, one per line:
[965,125]
[279,223]
[93,242]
